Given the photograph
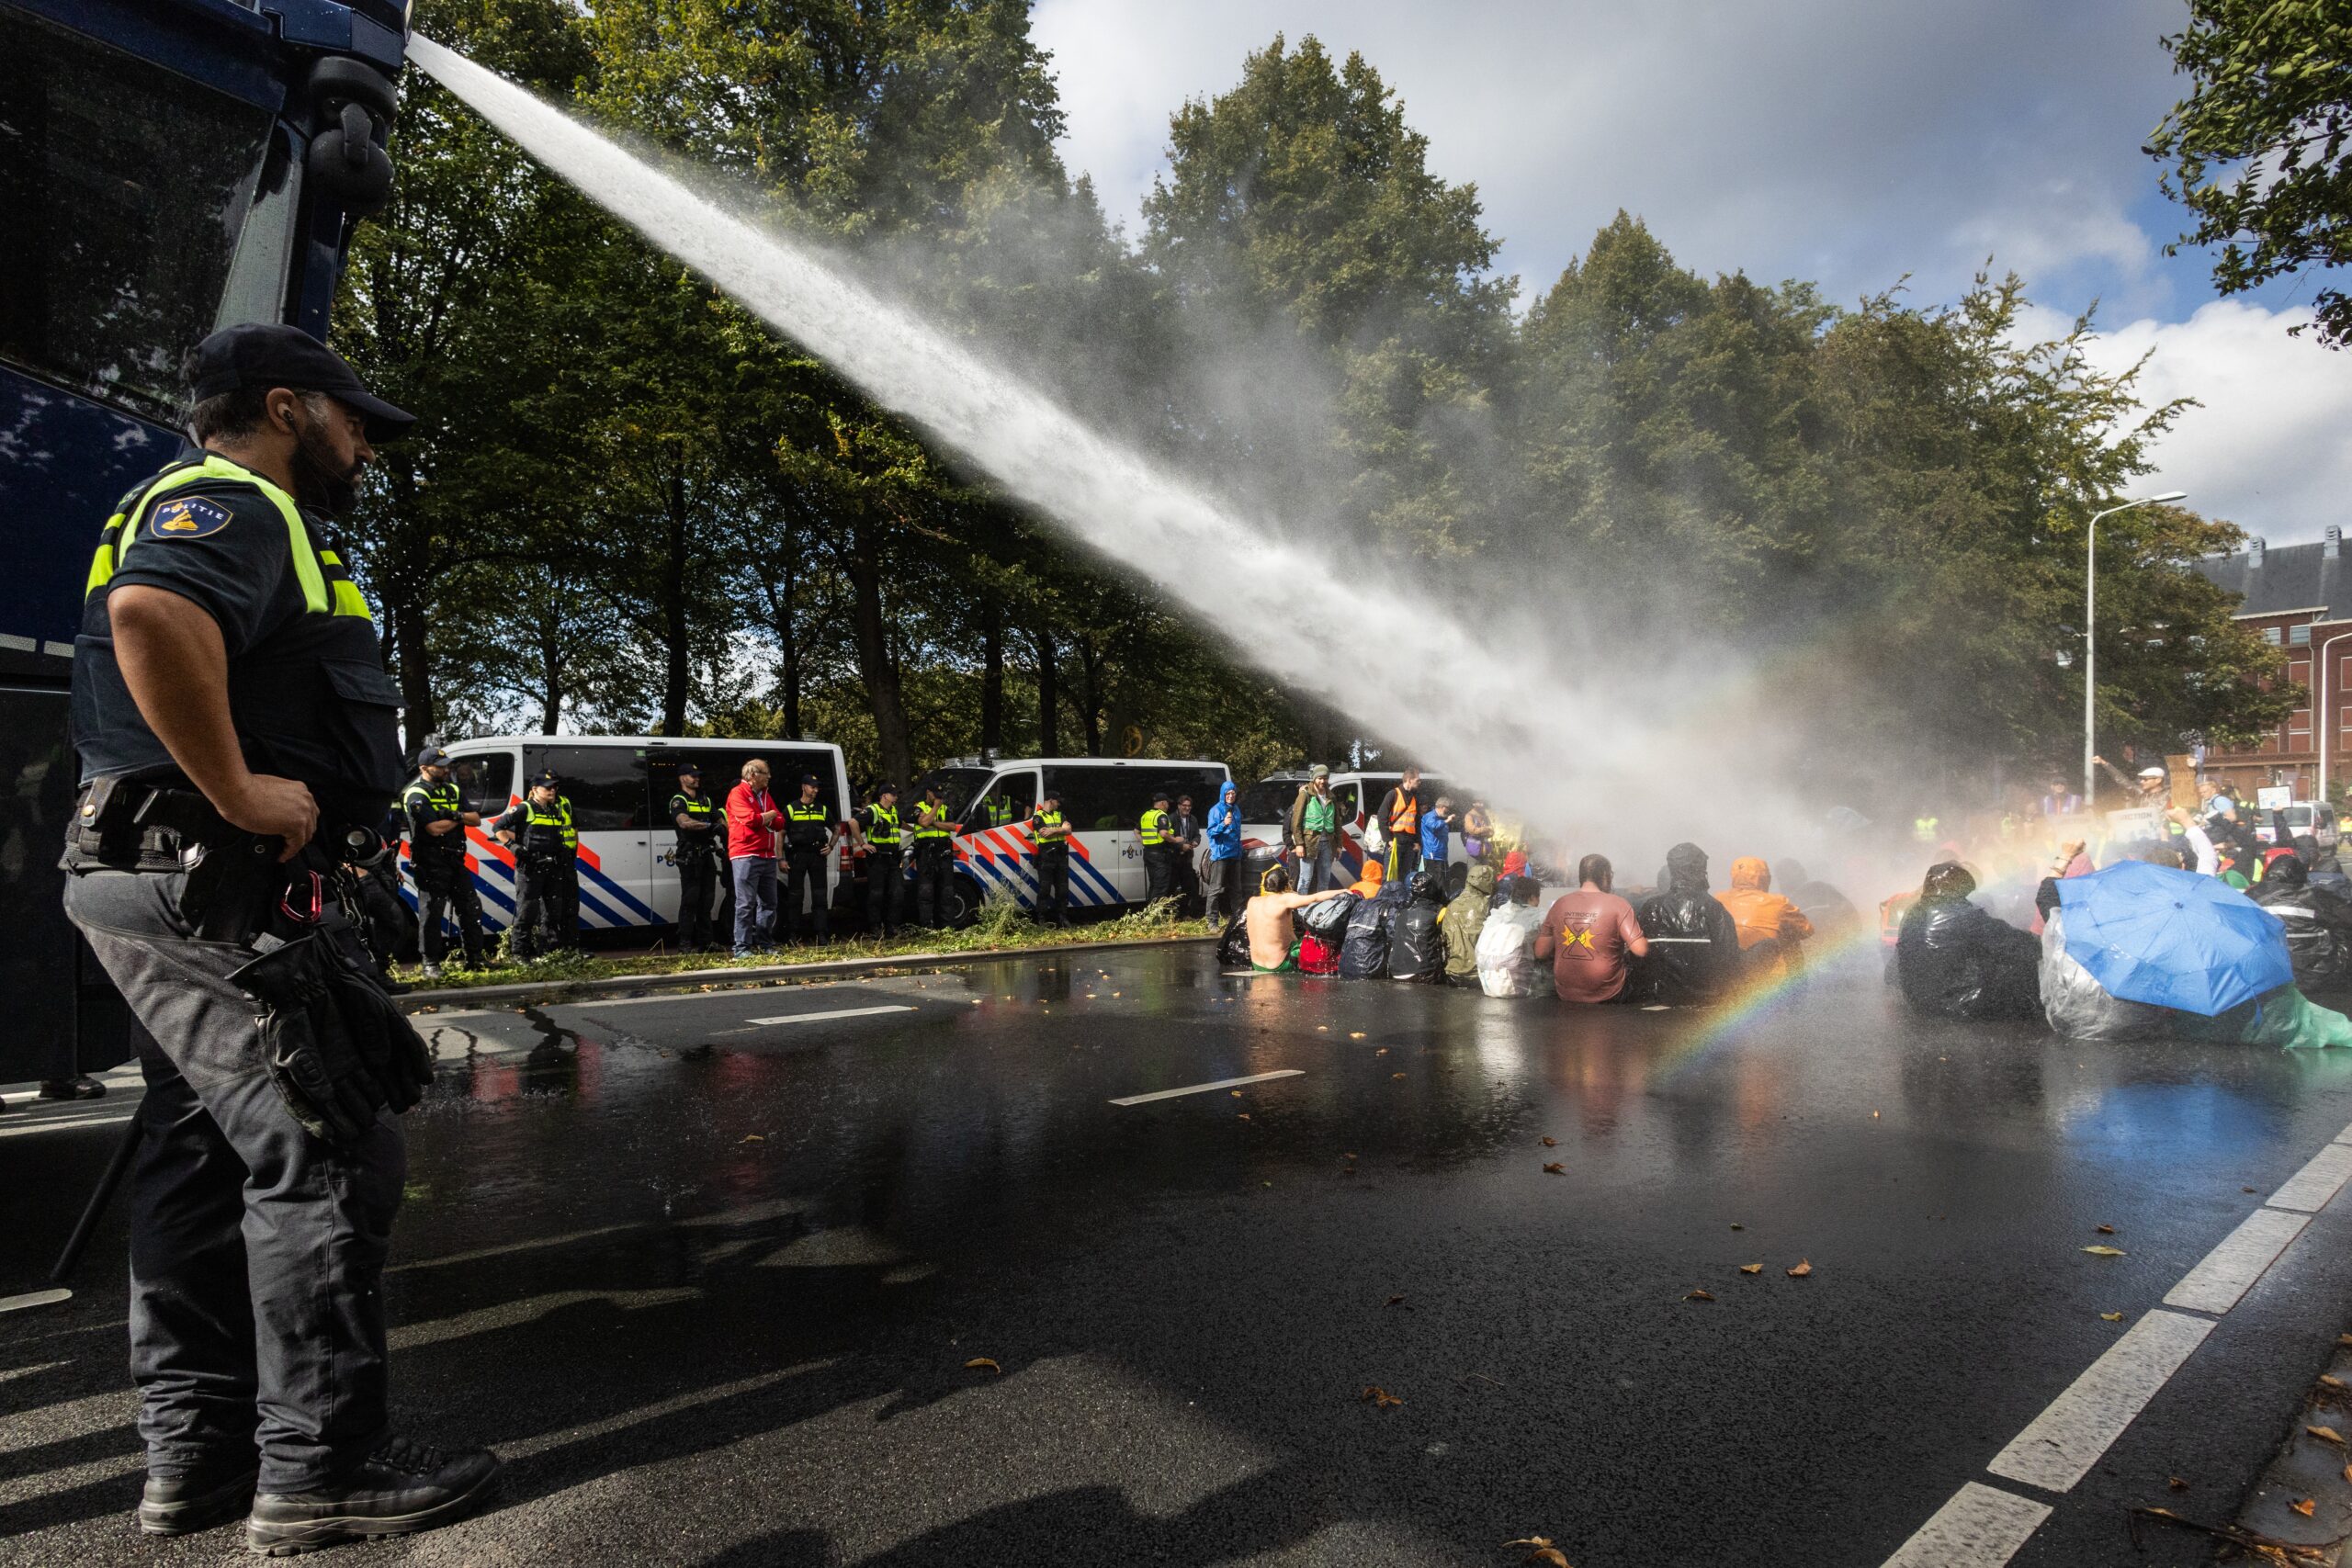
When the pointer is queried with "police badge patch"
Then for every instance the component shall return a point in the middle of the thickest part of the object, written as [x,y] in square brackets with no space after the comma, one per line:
[186,517]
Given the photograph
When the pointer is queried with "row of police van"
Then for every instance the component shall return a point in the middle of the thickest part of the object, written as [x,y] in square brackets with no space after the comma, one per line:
[620,786]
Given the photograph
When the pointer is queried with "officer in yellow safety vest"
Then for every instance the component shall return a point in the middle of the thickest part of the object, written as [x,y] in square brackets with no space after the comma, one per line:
[809,835]
[1400,817]
[547,877]
[437,821]
[697,818]
[935,832]
[881,845]
[1158,834]
[1049,830]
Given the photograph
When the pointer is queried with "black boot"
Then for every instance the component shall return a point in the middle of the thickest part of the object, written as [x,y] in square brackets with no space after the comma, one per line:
[80,1086]
[403,1487]
[182,1505]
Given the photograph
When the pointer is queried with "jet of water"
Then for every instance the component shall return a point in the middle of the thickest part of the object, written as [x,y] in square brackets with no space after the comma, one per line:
[1553,747]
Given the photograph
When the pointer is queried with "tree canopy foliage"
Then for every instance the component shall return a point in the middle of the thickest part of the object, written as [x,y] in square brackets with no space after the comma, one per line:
[632,506]
[2257,151]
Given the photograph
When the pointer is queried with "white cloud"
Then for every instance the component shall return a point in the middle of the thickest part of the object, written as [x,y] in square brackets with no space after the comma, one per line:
[2266,451]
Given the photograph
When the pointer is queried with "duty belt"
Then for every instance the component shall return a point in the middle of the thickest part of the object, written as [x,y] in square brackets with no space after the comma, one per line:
[137,827]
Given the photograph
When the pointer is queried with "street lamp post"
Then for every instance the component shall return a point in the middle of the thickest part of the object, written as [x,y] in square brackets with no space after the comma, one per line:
[2090,650]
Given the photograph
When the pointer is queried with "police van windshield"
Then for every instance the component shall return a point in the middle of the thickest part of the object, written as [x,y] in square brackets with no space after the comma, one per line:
[1269,800]
[126,187]
[957,786]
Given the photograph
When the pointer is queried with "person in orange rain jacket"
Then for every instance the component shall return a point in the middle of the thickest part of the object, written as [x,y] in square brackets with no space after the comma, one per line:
[1771,929]
[1368,884]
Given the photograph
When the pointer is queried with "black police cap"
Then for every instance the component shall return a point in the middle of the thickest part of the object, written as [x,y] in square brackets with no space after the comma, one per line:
[690,767]
[808,779]
[550,777]
[264,353]
[432,757]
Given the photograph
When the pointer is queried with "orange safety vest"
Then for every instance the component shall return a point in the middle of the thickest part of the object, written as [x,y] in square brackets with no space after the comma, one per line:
[1407,817]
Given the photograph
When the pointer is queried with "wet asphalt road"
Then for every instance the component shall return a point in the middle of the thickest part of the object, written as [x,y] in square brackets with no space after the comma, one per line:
[711,1282]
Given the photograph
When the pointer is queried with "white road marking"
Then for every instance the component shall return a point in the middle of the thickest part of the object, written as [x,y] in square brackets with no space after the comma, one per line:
[2345,1136]
[836,1012]
[2217,1283]
[2066,1439]
[1205,1087]
[54,1125]
[35,1299]
[1982,1527]
[2310,1187]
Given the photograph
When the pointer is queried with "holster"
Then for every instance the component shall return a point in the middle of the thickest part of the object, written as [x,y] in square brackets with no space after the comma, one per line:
[336,1048]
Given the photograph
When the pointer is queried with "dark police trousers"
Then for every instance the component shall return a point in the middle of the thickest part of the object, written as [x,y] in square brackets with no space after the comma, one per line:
[1159,872]
[886,892]
[803,868]
[697,876]
[546,908]
[445,887]
[257,1250]
[1053,886]
[934,881]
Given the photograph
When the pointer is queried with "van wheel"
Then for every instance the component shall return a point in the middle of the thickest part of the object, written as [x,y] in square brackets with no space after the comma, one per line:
[964,903]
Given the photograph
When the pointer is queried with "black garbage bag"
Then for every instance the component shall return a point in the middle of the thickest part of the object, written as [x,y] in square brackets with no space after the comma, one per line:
[1955,960]
[1233,943]
[1363,951]
[2318,921]
[1328,920]
[1416,949]
[1698,959]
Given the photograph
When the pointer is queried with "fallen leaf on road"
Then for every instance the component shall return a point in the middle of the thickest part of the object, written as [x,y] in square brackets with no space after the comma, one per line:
[1699,1296]
[1396,1075]
[1236,1093]
[1550,1143]
[1556,1168]
[1396,1300]
[2326,1435]
[2111,1317]
[1381,1052]
[2328,1383]
[2105,1251]
[982,1364]
[1355,1033]
[1739,1227]
[753,1138]
[2344,1339]
[1751,1268]
[2107,1230]
[2246,1188]
[1346,1156]
[2305,1506]
[1243,1116]
[1538,1542]
[2177,1484]
[1550,1554]
[1377,1397]
[1873,1115]
[1322,1028]
[1804,1268]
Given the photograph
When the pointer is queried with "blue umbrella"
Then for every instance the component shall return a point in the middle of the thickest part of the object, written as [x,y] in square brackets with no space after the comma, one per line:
[2152,933]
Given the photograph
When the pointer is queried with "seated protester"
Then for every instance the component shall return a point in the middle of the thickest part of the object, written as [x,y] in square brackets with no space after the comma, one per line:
[1363,952]
[1463,920]
[1588,935]
[1416,950]
[1955,960]
[1507,965]
[2318,922]
[1771,929]
[1268,921]
[1326,928]
[1831,912]
[1369,885]
[1698,945]
[1514,867]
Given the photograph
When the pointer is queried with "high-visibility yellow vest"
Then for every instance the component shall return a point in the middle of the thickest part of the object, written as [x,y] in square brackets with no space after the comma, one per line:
[1049,819]
[1407,817]
[327,588]
[932,831]
[886,827]
[1154,828]
[557,816]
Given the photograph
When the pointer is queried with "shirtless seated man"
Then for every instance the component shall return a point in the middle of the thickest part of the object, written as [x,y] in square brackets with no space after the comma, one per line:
[1270,924]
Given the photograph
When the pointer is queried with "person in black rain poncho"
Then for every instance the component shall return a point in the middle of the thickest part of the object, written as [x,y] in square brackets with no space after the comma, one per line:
[1955,960]
[1695,952]
[1363,954]
[1416,950]
[2318,921]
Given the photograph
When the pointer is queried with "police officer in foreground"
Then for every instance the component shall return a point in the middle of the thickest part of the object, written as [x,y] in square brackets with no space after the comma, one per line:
[935,830]
[1158,834]
[1049,830]
[886,883]
[233,723]
[437,822]
[547,851]
[809,835]
[697,818]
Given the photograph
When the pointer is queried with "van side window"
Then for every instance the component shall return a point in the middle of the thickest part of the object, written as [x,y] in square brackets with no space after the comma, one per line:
[1102,799]
[607,785]
[485,784]
[1009,800]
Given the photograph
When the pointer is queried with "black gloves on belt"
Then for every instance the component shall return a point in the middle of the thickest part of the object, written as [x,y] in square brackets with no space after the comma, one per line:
[337,1050]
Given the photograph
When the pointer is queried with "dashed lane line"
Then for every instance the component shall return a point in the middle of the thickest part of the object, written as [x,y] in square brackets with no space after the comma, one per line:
[2310,1187]
[2225,1274]
[1205,1087]
[830,1013]
[1982,1527]
[2066,1439]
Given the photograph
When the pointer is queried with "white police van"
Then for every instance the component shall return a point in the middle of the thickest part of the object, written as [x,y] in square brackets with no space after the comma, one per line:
[1103,799]
[1265,811]
[619,788]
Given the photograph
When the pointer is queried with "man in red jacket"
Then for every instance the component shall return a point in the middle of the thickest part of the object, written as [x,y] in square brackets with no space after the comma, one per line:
[751,821]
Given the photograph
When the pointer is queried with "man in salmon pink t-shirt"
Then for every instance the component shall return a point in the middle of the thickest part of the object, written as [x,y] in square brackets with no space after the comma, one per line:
[1587,934]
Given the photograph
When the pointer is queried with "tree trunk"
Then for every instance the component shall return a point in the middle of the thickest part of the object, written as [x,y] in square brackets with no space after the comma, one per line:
[416,668]
[992,675]
[550,673]
[788,638]
[674,602]
[1049,696]
[894,743]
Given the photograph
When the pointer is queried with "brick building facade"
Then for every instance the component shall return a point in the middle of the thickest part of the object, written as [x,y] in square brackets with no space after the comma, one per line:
[2298,597]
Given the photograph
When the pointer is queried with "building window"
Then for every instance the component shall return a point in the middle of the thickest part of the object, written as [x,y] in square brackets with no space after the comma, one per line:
[2270,636]
[2299,636]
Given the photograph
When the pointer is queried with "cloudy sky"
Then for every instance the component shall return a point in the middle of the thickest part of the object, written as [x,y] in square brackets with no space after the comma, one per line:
[1848,143]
